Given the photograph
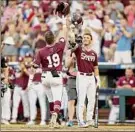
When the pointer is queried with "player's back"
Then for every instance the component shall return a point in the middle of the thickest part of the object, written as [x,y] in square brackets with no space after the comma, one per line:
[51,57]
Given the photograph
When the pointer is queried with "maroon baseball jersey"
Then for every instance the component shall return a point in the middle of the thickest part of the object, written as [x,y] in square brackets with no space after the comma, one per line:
[37,77]
[50,58]
[124,81]
[22,81]
[86,60]
[25,81]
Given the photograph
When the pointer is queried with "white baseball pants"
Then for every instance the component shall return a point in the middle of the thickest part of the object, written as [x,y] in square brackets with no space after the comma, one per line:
[86,86]
[37,91]
[54,83]
[6,105]
[18,95]
[114,114]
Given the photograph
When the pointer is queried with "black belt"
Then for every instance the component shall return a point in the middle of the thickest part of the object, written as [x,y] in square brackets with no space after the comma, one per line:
[86,74]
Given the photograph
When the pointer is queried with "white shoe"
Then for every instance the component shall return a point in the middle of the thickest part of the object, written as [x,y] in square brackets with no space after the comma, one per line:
[6,122]
[13,121]
[90,123]
[111,123]
[82,124]
[42,123]
[31,123]
[53,122]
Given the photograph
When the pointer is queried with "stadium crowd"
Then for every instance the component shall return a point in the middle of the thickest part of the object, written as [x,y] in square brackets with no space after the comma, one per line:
[24,23]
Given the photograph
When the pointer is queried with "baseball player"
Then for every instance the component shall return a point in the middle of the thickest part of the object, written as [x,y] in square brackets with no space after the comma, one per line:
[124,82]
[6,98]
[50,59]
[20,92]
[87,79]
[37,91]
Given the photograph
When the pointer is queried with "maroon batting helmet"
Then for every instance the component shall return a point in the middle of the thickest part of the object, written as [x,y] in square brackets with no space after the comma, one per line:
[76,19]
[62,8]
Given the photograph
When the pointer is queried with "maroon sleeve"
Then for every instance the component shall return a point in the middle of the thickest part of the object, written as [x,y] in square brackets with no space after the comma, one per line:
[37,59]
[61,45]
[119,82]
[96,60]
[77,50]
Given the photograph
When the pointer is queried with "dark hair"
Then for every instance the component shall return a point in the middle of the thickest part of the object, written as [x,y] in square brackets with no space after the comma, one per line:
[49,37]
[88,34]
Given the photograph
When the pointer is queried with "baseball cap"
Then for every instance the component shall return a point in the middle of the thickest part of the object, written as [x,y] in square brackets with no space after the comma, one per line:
[9,40]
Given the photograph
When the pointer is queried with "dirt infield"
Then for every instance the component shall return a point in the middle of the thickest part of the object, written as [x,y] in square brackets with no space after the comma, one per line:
[101,128]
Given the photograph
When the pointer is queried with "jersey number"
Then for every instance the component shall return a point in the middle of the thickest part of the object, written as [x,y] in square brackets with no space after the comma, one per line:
[53,60]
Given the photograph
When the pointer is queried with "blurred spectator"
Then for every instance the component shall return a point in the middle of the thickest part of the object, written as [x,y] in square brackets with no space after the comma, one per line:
[125,82]
[130,12]
[115,6]
[45,6]
[76,7]
[95,27]
[109,46]
[61,32]
[25,43]
[123,39]
[9,49]
[9,11]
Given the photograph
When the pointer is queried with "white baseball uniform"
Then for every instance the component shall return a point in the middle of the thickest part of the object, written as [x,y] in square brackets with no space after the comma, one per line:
[20,93]
[6,105]
[37,91]
[85,82]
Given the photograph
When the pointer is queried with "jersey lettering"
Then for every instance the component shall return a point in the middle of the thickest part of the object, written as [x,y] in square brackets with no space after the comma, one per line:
[87,57]
[53,60]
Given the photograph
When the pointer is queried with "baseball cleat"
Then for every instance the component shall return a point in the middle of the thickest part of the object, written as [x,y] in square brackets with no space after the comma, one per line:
[83,125]
[6,122]
[42,123]
[31,123]
[53,122]
[90,123]
[13,121]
